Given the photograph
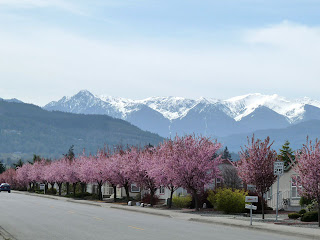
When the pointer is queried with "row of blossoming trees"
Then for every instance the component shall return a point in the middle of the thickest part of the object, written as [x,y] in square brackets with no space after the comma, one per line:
[190,162]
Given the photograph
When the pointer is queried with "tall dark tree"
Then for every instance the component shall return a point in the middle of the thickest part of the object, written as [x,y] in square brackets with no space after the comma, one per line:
[18,164]
[69,155]
[226,154]
[2,168]
[286,154]
[36,158]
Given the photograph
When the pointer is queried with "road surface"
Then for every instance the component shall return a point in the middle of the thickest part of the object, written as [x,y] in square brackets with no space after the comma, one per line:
[30,217]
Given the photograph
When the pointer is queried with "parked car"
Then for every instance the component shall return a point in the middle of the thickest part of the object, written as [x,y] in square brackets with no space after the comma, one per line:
[5,187]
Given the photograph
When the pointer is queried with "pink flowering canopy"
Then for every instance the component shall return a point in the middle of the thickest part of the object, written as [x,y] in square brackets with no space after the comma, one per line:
[307,166]
[256,164]
[193,163]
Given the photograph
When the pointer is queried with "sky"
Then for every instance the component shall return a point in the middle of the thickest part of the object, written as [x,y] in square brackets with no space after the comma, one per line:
[141,48]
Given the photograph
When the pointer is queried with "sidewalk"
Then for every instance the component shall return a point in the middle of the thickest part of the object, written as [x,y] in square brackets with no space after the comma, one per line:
[311,233]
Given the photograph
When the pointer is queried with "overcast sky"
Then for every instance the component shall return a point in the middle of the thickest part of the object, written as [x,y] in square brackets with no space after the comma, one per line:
[141,48]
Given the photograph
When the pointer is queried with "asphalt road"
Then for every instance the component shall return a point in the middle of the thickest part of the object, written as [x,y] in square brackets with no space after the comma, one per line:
[35,218]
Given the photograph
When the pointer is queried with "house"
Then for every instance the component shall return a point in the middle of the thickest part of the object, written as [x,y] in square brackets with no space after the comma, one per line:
[288,192]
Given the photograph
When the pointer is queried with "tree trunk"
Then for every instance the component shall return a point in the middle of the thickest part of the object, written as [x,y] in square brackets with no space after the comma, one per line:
[114,193]
[59,185]
[99,191]
[196,200]
[52,185]
[318,213]
[46,187]
[151,196]
[262,206]
[126,187]
[68,188]
[171,196]
[83,186]
[74,185]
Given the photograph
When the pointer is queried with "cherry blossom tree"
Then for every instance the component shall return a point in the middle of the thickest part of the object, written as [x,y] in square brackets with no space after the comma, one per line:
[114,176]
[256,166]
[164,168]
[73,173]
[49,174]
[128,163]
[23,175]
[92,170]
[58,172]
[307,166]
[10,177]
[147,161]
[194,165]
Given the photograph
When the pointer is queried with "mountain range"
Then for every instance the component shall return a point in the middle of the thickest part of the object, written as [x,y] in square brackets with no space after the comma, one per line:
[168,116]
[27,129]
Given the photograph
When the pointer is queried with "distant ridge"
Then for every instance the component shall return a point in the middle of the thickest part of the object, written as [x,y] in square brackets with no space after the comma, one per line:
[29,129]
[168,116]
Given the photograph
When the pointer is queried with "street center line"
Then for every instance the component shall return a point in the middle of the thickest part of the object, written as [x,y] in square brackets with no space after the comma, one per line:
[97,218]
[136,228]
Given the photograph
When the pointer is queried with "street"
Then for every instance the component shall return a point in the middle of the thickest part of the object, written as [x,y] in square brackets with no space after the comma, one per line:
[31,217]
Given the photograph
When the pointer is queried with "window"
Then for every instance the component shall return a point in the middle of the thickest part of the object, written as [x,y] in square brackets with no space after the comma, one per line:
[294,188]
[218,180]
[135,188]
[161,190]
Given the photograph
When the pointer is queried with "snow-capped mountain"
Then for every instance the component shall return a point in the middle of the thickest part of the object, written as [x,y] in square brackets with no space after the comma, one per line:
[176,115]
[244,105]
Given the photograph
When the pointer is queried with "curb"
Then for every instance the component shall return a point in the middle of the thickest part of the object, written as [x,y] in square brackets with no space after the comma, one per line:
[38,195]
[256,228]
[58,198]
[5,235]
[141,211]
[86,203]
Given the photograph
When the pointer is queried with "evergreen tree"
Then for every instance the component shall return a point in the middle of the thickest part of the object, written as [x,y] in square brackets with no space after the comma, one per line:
[2,168]
[226,154]
[286,154]
[18,164]
[70,154]
[70,157]
[36,158]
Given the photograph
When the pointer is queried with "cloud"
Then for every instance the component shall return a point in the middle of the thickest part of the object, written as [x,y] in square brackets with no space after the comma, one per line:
[59,4]
[286,35]
[46,64]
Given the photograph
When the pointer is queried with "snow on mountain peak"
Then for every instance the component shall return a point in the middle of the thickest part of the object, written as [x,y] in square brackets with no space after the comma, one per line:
[170,107]
[178,107]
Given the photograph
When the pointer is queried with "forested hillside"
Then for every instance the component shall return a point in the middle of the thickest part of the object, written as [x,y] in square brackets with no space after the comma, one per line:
[26,129]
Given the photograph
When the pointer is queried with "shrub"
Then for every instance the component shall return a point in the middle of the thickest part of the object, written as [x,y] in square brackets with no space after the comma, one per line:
[138,197]
[310,217]
[82,195]
[147,199]
[51,191]
[304,201]
[313,206]
[294,215]
[181,201]
[302,211]
[228,200]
